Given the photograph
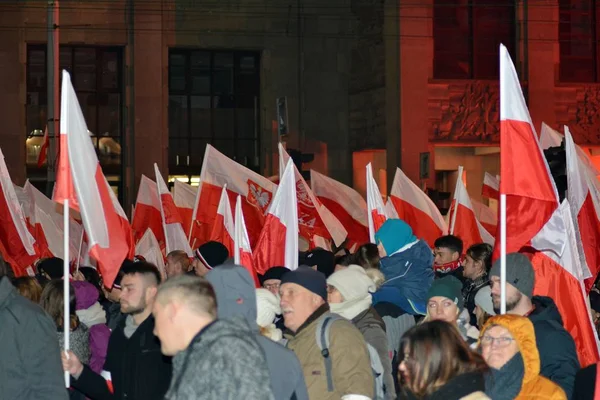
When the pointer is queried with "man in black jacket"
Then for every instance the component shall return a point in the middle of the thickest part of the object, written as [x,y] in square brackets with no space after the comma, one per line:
[135,367]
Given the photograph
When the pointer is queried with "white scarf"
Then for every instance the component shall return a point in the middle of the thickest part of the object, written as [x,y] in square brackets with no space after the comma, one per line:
[350,309]
[95,315]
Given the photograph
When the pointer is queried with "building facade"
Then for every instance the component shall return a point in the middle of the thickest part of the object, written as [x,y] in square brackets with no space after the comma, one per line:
[411,83]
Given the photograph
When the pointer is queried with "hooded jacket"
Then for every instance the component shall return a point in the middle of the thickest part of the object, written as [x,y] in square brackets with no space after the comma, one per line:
[236,297]
[30,366]
[224,362]
[534,385]
[556,346]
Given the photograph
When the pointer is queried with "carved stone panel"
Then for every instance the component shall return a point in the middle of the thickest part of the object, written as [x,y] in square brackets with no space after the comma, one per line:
[578,107]
[464,112]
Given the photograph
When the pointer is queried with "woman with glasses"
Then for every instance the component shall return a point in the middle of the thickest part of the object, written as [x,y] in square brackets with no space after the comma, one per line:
[438,364]
[507,343]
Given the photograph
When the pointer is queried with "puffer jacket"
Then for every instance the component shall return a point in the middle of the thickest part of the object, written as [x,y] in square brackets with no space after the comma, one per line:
[351,366]
[534,385]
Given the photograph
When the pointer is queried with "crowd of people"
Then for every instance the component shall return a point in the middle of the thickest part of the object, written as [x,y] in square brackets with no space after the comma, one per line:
[393,320]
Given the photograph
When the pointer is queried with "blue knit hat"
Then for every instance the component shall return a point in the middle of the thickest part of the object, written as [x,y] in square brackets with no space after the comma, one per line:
[394,234]
[308,278]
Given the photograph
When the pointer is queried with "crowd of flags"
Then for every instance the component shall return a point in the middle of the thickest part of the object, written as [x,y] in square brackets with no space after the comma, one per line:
[261,221]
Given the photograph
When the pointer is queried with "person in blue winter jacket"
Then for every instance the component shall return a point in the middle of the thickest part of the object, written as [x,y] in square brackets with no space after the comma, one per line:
[406,263]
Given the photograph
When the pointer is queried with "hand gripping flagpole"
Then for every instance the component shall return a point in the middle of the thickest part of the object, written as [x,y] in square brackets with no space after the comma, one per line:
[66,283]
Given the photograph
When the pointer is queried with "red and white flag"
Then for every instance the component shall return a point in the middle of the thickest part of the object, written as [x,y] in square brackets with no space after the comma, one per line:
[490,187]
[184,196]
[147,211]
[16,242]
[43,156]
[416,209]
[278,241]
[317,223]
[586,223]
[531,197]
[487,217]
[463,222]
[376,214]
[552,138]
[242,253]
[218,171]
[81,181]
[149,248]
[348,206]
[223,227]
[175,238]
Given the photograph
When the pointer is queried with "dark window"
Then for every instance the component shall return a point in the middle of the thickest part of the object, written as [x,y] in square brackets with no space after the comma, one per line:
[577,36]
[96,74]
[467,35]
[213,99]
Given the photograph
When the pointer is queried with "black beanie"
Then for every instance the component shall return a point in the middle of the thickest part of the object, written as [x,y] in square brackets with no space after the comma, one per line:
[52,266]
[323,259]
[212,254]
[273,273]
[309,279]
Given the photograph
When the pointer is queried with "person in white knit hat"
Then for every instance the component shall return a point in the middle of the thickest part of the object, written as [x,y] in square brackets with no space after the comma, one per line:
[349,295]
[267,308]
[484,307]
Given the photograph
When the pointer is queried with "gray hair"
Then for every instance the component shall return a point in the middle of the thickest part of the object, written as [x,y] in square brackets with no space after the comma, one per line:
[193,291]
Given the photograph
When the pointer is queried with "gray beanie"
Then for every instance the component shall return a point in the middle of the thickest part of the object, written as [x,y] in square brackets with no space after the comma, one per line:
[519,273]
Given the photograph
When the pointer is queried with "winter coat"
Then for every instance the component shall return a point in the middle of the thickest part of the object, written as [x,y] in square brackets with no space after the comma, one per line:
[370,324]
[555,344]
[114,316]
[586,383]
[79,342]
[467,386]
[351,365]
[136,365]
[236,297]
[408,275]
[224,361]
[470,289]
[534,385]
[30,366]
[92,315]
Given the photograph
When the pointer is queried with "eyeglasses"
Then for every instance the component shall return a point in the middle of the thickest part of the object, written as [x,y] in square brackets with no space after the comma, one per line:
[272,286]
[501,341]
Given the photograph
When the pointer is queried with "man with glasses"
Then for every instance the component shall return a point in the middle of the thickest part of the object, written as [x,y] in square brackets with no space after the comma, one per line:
[271,280]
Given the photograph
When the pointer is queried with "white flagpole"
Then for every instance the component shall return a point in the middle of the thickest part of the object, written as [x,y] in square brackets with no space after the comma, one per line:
[66,283]
[458,182]
[502,254]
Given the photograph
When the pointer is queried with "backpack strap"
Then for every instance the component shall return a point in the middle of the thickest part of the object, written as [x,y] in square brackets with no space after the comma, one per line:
[322,338]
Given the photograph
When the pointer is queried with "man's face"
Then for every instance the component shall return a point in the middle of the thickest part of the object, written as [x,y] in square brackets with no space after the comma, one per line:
[513,296]
[164,328]
[443,255]
[134,294]
[297,304]
[173,268]
[272,285]
[199,267]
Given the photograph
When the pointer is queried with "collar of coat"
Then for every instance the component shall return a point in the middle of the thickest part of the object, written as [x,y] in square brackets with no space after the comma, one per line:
[315,316]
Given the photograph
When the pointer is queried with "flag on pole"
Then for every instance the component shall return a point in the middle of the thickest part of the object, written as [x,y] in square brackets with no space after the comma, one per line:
[491,187]
[223,227]
[149,248]
[552,138]
[345,203]
[175,238]
[80,181]
[416,209]
[147,211]
[376,214]
[278,241]
[242,253]
[184,196]
[487,217]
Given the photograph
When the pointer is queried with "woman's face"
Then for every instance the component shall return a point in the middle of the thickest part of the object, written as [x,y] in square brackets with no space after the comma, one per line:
[498,346]
[442,309]
[472,268]
[333,295]
[403,369]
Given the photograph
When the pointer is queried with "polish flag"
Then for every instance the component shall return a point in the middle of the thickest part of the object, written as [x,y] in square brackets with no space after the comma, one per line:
[531,197]
[278,241]
[16,242]
[487,217]
[490,187]
[147,211]
[316,222]
[345,203]
[43,156]
[175,238]
[223,227]
[81,181]
[218,171]
[242,253]
[376,214]
[552,138]
[464,223]
[562,279]
[149,248]
[416,209]
[586,223]
[184,196]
